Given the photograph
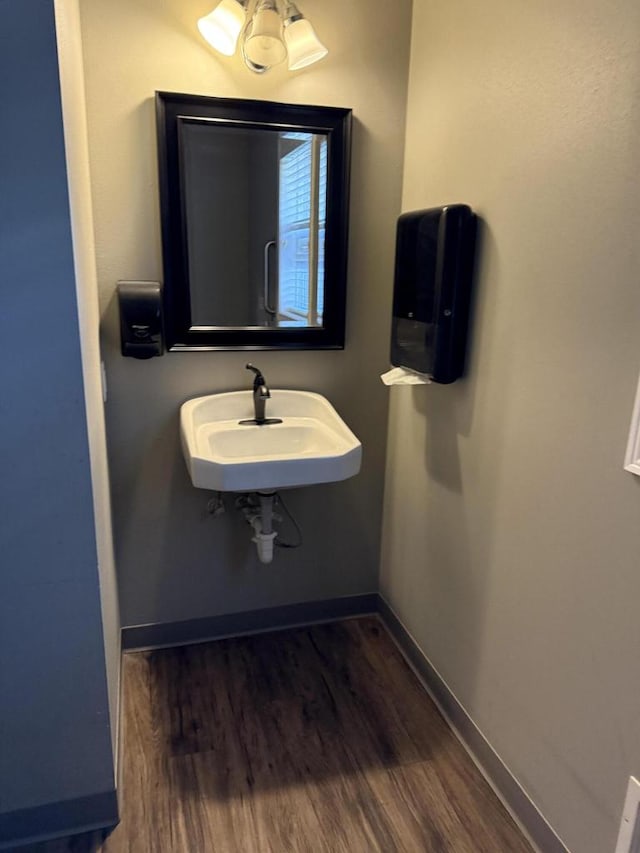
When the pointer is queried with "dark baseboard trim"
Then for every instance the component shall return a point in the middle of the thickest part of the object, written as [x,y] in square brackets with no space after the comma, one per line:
[118,770]
[56,820]
[161,635]
[489,762]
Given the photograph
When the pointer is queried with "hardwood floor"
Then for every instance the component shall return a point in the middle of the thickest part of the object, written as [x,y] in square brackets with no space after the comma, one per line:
[312,739]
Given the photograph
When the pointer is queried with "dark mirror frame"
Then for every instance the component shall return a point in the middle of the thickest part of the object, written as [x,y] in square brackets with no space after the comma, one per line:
[335,122]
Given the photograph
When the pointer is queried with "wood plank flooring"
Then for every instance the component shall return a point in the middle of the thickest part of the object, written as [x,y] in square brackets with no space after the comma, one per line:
[313,739]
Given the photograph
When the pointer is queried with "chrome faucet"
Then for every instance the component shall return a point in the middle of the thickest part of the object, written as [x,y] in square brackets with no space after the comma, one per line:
[261,394]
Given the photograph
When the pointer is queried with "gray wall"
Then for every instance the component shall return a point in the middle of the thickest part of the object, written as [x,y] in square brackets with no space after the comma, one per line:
[511,544]
[231,211]
[174,562]
[54,709]
[216,166]
[265,192]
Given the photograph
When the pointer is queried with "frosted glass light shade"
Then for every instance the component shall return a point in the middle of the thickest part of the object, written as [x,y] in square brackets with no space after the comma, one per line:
[222,26]
[264,45]
[303,45]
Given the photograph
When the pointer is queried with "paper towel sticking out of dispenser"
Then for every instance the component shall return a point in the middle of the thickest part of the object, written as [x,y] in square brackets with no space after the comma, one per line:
[432,290]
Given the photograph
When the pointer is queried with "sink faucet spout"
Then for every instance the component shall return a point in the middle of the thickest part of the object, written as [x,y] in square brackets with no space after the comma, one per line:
[261,394]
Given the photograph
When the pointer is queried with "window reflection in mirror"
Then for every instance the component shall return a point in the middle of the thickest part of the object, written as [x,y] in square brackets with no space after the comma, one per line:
[255,211]
[302,210]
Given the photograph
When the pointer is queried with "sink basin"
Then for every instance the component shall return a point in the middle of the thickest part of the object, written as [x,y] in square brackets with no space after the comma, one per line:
[311,445]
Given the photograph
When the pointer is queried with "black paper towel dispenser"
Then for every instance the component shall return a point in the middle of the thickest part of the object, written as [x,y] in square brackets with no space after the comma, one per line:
[140,305]
[432,290]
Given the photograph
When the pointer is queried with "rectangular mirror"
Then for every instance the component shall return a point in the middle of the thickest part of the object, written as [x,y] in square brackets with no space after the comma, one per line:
[254,201]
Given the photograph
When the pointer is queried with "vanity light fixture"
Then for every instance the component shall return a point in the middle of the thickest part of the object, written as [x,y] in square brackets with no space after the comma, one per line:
[269,32]
[303,45]
[222,26]
[263,44]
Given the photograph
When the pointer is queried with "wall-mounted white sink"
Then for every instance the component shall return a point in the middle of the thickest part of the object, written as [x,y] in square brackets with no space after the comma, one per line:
[311,445]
